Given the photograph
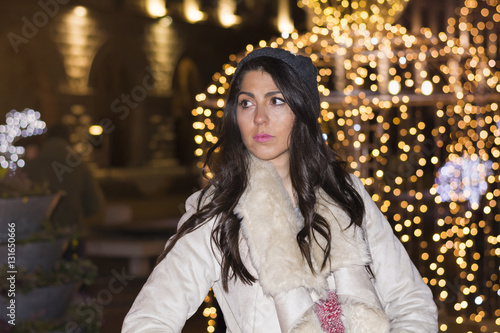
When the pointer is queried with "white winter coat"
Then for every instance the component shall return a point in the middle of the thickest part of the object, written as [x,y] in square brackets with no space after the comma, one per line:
[282,299]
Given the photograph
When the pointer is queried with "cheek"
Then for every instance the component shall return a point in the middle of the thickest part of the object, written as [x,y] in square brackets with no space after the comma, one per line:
[242,125]
[289,125]
[238,120]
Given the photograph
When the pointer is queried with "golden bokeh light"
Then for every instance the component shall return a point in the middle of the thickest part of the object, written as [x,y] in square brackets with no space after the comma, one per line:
[417,118]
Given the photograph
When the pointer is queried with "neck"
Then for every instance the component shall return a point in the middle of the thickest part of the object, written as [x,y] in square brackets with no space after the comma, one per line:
[282,167]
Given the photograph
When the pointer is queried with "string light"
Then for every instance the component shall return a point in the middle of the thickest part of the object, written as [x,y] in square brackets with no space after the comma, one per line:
[417,117]
[210,312]
[18,125]
[464,179]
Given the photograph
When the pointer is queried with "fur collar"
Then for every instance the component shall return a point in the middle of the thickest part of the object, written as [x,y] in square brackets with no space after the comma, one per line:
[269,227]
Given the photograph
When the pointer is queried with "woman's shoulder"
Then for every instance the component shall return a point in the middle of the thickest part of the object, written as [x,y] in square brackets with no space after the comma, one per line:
[355,181]
[193,204]
[193,201]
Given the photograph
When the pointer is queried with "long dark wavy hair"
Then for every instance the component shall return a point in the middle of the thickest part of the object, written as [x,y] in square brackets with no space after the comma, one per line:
[313,165]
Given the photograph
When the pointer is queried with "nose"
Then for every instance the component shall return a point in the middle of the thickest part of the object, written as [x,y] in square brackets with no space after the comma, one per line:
[260,117]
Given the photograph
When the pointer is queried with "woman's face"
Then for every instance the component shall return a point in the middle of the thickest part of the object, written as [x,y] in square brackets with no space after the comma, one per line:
[264,118]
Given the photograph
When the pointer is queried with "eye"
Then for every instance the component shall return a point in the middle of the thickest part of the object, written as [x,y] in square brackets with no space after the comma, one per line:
[277,101]
[245,103]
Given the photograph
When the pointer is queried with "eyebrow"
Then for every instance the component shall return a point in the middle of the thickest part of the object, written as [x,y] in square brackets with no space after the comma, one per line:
[268,94]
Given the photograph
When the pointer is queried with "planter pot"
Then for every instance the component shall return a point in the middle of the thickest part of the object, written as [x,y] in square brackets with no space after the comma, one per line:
[44,303]
[27,212]
[35,254]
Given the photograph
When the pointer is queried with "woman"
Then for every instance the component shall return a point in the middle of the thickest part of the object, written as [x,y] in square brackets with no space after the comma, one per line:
[287,239]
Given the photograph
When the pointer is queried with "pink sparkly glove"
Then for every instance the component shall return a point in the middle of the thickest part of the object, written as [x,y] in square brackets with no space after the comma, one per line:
[328,312]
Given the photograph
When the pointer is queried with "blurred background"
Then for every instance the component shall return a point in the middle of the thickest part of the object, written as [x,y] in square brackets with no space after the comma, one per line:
[409,89]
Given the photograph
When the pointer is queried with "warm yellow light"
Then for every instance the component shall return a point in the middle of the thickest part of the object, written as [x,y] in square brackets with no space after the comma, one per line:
[95,130]
[80,11]
[285,23]
[198,139]
[394,87]
[359,81]
[427,88]
[192,11]
[156,8]
[212,89]
[226,11]
[165,21]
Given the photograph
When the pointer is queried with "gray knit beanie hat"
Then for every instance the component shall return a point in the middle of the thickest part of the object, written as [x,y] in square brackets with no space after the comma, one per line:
[301,65]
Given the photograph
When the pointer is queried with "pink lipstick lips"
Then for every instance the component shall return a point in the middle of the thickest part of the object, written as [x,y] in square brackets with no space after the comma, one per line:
[262,137]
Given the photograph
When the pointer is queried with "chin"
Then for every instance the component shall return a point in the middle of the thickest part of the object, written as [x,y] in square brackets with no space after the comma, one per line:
[268,156]
[262,157]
